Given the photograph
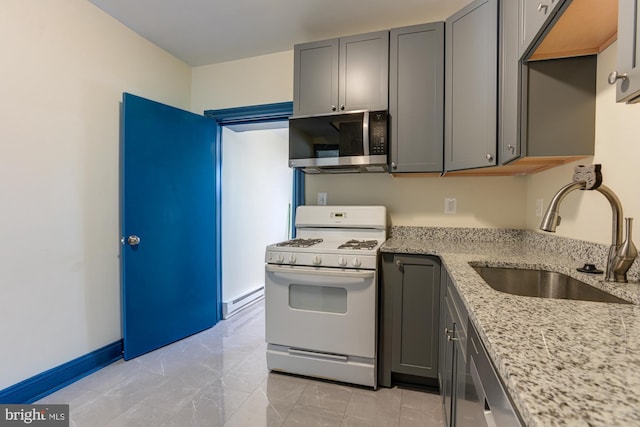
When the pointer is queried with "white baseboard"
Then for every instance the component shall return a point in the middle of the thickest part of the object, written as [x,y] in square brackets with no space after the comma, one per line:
[231,307]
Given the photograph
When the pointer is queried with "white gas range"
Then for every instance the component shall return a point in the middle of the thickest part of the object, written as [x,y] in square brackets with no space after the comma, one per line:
[321,294]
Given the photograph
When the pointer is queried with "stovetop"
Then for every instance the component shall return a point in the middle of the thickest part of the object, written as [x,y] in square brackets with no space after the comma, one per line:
[333,236]
[351,244]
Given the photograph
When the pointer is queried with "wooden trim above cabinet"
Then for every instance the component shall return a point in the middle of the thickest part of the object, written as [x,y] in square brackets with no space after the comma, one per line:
[586,27]
[523,166]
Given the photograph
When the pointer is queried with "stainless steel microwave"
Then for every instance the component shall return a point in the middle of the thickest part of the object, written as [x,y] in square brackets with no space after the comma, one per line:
[339,143]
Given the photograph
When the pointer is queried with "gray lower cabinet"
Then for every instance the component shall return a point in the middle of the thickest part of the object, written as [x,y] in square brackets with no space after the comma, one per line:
[471,100]
[472,394]
[416,98]
[345,74]
[409,319]
[456,384]
[628,67]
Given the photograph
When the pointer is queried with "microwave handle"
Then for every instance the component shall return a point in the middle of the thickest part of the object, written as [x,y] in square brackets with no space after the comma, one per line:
[365,133]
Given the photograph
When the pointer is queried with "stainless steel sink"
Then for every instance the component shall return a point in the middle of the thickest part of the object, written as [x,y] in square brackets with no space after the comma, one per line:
[543,284]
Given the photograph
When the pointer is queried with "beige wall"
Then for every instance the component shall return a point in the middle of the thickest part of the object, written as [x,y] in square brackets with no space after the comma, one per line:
[587,215]
[260,80]
[64,67]
[481,202]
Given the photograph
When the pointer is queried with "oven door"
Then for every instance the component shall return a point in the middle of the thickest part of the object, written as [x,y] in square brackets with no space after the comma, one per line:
[328,310]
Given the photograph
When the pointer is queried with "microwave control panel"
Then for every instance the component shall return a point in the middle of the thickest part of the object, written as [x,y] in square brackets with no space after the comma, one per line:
[378,132]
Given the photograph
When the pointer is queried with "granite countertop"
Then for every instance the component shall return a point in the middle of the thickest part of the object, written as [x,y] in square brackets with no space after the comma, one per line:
[564,362]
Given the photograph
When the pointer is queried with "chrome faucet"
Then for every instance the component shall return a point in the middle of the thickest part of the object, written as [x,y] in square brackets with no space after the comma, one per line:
[621,254]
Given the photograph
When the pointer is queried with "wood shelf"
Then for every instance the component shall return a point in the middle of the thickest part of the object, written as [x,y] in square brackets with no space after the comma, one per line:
[586,27]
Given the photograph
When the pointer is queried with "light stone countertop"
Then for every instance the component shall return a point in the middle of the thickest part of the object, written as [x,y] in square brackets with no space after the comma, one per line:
[564,362]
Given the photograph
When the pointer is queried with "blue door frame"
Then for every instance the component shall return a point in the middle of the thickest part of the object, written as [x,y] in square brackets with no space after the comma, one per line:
[250,115]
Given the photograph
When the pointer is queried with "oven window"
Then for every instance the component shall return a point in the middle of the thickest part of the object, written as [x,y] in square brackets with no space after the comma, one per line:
[318,298]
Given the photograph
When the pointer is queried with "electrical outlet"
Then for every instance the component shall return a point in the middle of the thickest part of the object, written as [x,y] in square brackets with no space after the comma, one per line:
[322,199]
[450,205]
[539,207]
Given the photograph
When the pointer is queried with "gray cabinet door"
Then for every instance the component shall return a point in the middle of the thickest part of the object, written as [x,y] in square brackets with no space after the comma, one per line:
[315,77]
[471,58]
[534,15]
[449,363]
[628,89]
[416,98]
[416,300]
[364,72]
[509,78]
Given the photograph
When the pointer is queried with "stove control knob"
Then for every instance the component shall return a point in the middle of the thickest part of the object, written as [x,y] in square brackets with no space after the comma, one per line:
[292,258]
[316,260]
[342,262]
[279,259]
[356,262]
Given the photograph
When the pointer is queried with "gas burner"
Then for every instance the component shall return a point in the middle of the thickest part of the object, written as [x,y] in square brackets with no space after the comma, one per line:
[300,243]
[359,244]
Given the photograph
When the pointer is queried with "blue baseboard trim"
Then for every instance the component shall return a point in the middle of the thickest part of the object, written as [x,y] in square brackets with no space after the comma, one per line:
[45,383]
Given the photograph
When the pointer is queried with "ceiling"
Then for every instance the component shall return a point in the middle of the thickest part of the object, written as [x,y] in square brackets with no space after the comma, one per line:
[201,32]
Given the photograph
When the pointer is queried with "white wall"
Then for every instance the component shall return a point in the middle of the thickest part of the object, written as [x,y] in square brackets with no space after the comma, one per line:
[585,214]
[64,67]
[256,197]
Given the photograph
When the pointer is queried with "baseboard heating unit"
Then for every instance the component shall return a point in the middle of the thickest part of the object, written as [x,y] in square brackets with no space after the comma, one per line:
[231,307]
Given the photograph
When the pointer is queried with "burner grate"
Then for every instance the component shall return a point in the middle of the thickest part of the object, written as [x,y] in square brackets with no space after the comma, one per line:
[359,244]
[299,243]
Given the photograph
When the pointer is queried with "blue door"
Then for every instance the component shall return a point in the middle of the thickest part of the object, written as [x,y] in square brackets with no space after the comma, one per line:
[168,219]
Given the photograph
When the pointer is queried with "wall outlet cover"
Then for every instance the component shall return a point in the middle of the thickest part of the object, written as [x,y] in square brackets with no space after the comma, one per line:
[450,205]
[322,199]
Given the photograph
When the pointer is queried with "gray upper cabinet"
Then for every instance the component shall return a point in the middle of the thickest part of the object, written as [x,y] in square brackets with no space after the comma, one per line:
[416,98]
[471,60]
[346,74]
[534,16]
[509,77]
[628,69]
[315,81]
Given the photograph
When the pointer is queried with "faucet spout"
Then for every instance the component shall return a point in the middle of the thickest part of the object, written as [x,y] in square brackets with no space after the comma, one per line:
[551,220]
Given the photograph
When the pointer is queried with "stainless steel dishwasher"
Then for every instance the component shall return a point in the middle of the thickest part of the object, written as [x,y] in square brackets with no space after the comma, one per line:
[491,405]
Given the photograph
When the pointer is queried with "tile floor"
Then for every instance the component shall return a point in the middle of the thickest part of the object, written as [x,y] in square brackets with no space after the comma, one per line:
[219,377]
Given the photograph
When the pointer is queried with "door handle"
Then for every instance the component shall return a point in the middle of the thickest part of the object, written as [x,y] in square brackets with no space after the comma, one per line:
[133,240]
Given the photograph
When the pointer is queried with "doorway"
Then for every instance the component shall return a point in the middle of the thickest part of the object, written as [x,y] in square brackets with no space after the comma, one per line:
[256,206]
[238,290]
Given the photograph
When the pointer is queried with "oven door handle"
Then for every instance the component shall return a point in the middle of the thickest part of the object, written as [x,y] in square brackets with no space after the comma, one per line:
[356,274]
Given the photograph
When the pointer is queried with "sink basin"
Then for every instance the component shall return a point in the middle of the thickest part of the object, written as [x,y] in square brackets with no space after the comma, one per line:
[543,284]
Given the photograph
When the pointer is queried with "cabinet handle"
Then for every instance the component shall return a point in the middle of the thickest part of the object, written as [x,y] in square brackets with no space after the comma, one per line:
[447,331]
[342,107]
[542,6]
[333,108]
[511,148]
[400,265]
[489,157]
[614,76]
[393,165]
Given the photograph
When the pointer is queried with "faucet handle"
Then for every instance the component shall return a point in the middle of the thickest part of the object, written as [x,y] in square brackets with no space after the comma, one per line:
[625,255]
